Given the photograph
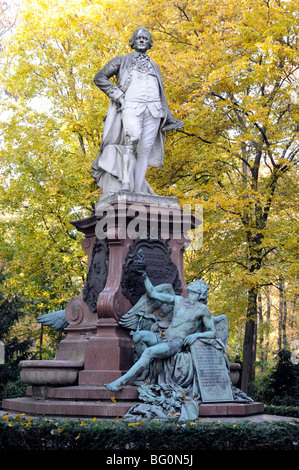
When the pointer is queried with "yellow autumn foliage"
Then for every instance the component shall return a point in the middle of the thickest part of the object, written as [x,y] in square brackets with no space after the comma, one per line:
[230,70]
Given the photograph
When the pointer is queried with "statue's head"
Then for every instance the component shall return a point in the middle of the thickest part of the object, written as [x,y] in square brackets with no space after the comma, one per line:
[200,288]
[141,32]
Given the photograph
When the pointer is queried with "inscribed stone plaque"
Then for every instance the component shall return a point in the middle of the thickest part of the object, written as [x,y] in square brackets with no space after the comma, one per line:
[212,373]
[159,268]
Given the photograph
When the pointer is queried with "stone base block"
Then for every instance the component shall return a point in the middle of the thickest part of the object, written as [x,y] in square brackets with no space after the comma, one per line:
[77,401]
[96,401]
[99,377]
[230,409]
[88,392]
[66,408]
[108,354]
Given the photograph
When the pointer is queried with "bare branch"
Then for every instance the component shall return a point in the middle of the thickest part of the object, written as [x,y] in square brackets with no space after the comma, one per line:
[8,17]
[194,135]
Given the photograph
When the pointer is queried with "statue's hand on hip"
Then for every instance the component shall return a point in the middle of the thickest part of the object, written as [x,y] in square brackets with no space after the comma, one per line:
[120,103]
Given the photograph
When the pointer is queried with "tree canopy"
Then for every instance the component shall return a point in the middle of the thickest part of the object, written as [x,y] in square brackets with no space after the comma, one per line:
[230,70]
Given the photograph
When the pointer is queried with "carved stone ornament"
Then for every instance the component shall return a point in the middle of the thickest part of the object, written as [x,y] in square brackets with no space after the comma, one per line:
[97,274]
[159,267]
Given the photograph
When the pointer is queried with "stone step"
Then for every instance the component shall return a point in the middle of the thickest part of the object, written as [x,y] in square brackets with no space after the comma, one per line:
[111,409]
[67,408]
[86,392]
[230,409]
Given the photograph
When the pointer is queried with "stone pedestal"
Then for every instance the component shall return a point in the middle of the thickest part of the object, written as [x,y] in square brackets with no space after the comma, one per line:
[108,355]
[119,228]
[91,401]
[121,225]
[230,409]
[96,349]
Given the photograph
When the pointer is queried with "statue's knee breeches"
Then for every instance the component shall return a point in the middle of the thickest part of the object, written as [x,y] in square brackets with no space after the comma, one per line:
[132,125]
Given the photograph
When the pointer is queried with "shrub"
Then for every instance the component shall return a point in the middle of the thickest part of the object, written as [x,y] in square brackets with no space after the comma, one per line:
[292,411]
[284,377]
[56,434]
[14,389]
[281,386]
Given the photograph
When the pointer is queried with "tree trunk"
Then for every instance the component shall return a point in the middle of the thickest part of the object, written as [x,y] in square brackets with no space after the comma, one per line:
[249,347]
[41,336]
[260,331]
[282,324]
[267,348]
[293,317]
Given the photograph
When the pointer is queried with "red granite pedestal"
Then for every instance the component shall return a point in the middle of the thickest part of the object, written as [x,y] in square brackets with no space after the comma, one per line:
[88,401]
[120,226]
[95,342]
[230,409]
[84,401]
[106,347]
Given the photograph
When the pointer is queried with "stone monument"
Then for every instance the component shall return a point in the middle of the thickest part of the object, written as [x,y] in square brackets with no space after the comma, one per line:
[139,341]
[180,353]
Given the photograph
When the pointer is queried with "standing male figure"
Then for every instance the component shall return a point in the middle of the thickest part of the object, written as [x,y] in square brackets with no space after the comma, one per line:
[137,118]
[191,320]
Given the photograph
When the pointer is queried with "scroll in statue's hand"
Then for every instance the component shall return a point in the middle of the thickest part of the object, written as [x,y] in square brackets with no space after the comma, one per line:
[173,126]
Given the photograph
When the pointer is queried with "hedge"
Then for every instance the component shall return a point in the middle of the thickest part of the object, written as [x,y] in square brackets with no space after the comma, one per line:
[291,411]
[38,434]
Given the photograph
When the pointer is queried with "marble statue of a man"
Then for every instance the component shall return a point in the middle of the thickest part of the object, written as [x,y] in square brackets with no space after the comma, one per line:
[137,119]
